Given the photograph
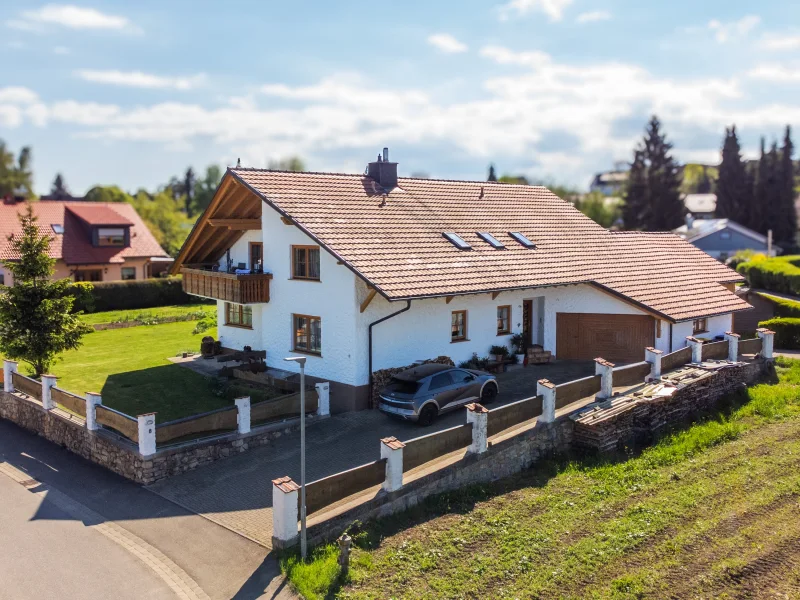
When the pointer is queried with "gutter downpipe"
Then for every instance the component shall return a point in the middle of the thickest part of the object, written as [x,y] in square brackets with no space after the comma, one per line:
[381,320]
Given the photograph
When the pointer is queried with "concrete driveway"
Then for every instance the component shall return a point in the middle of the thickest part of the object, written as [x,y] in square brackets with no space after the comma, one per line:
[237,492]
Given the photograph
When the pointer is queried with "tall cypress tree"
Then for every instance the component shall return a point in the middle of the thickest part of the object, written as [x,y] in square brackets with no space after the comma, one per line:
[492,174]
[786,226]
[771,187]
[734,192]
[653,201]
[758,209]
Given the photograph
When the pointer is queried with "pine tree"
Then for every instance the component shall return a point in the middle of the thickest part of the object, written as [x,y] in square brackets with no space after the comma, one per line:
[773,215]
[36,320]
[188,190]
[653,199]
[734,193]
[758,210]
[59,189]
[492,174]
[786,226]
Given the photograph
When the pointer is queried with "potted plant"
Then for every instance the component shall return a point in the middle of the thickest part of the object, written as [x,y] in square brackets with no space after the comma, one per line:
[518,346]
[499,352]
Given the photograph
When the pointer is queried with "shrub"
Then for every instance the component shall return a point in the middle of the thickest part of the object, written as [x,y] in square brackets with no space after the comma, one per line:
[127,295]
[205,324]
[780,274]
[501,350]
[787,332]
[743,256]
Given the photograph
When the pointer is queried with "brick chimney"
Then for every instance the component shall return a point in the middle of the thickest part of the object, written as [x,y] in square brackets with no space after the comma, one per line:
[383,171]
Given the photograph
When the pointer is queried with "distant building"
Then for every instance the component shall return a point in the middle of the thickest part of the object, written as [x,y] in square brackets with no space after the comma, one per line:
[700,206]
[722,238]
[91,241]
[609,183]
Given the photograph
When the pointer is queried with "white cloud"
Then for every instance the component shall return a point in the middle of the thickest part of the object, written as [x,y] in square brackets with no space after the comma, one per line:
[725,32]
[70,16]
[62,50]
[775,73]
[141,80]
[447,43]
[595,15]
[780,42]
[18,95]
[554,9]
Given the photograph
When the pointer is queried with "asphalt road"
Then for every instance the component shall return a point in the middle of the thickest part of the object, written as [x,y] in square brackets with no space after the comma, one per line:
[48,554]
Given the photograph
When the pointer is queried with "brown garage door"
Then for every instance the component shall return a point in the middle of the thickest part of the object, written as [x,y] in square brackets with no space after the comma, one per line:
[618,338]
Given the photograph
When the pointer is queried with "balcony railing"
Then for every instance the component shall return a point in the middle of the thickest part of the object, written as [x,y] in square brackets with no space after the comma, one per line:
[231,287]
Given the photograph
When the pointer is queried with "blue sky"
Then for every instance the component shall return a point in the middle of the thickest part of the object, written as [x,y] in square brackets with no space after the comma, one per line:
[134,92]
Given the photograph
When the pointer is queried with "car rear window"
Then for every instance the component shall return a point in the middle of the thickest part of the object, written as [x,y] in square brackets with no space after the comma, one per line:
[402,387]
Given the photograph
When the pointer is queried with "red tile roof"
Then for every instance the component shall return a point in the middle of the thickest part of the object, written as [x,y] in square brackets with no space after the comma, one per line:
[74,246]
[395,241]
[98,214]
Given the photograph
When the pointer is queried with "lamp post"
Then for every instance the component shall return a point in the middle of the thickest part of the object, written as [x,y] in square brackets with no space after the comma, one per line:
[302,361]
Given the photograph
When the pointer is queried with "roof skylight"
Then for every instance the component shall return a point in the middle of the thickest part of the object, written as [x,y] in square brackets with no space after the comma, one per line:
[491,240]
[58,228]
[457,241]
[522,239]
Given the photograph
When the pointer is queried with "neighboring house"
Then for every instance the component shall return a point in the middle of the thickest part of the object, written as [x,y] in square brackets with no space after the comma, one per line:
[722,238]
[700,206]
[91,241]
[365,272]
[610,183]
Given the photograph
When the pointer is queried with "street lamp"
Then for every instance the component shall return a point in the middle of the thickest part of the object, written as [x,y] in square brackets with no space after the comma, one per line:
[302,361]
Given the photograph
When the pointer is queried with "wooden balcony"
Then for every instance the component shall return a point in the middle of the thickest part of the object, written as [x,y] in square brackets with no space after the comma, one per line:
[229,287]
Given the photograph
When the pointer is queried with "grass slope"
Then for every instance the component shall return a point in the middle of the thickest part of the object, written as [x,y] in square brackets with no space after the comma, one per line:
[710,511]
[147,314]
[129,367]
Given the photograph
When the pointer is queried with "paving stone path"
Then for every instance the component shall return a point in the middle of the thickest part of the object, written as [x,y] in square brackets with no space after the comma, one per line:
[237,492]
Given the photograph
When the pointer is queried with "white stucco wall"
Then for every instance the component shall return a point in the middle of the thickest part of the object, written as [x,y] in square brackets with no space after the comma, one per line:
[333,299]
[716,326]
[424,331]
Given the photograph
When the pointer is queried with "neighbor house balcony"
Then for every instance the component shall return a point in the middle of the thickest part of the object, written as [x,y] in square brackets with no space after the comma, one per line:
[241,288]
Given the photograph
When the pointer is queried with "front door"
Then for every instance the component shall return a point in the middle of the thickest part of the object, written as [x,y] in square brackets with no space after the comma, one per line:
[527,322]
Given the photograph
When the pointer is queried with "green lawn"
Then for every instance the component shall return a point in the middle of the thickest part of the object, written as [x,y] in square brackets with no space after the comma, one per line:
[708,512]
[129,367]
[149,314]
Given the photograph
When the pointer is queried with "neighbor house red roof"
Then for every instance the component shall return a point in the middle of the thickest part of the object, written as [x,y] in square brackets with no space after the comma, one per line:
[74,246]
[394,241]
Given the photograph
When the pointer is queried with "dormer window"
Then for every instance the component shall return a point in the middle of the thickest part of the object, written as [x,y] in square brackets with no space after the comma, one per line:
[111,236]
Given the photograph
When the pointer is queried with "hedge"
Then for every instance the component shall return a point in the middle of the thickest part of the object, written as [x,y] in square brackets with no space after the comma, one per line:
[787,332]
[780,274]
[783,306]
[124,295]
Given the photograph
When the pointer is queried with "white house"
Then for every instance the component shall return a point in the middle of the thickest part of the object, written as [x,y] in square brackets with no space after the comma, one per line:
[365,272]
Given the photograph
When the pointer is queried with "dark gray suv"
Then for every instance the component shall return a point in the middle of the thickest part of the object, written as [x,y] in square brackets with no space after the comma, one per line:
[423,392]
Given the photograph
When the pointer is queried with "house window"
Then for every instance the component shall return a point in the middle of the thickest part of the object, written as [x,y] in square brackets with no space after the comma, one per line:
[111,236]
[305,262]
[307,334]
[503,319]
[699,326]
[725,235]
[256,256]
[458,328]
[2,278]
[89,275]
[238,315]
[128,273]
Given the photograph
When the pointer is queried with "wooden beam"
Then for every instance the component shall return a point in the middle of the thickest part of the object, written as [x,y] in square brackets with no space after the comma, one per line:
[369,298]
[495,295]
[238,224]
[287,221]
[448,299]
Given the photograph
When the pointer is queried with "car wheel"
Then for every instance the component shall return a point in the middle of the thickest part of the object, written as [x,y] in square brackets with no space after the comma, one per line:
[488,393]
[428,414]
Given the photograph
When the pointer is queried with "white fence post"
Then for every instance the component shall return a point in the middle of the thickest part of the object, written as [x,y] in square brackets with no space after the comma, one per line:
[697,349]
[767,341]
[147,434]
[606,371]
[324,394]
[653,356]
[547,390]
[479,417]
[733,345]
[92,401]
[392,451]
[9,367]
[243,414]
[48,383]
[285,511]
